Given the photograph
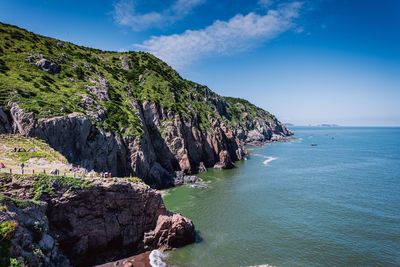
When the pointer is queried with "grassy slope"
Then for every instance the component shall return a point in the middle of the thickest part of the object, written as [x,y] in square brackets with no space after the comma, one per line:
[148,79]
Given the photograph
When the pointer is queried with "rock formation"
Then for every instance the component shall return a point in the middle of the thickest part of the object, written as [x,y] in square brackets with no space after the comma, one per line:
[170,143]
[92,224]
[124,113]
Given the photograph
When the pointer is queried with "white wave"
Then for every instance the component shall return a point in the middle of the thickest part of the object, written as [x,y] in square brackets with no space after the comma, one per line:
[157,258]
[268,160]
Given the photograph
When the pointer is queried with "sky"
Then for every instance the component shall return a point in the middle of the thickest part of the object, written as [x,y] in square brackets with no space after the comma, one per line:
[307,62]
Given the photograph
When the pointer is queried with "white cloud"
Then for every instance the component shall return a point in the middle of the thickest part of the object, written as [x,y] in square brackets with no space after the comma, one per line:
[265,3]
[183,7]
[222,37]
[125,13]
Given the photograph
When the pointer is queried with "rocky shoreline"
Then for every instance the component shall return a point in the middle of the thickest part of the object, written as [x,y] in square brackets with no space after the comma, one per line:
[124,114]
[65,222]
[161,161]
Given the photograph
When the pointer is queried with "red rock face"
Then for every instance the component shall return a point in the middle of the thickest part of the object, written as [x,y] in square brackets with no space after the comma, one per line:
[171,142]
[109,220]
[113,220]
[171,231]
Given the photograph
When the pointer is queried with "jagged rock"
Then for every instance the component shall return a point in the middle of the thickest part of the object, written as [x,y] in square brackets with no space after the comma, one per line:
[224,161]
[60,44]
[4,123]
[171,142]
[182,178]
[172,231]
[124,63]
[100,89]
[47,242]
[44,64]
[108,220]
[93,109]
[48,66]
[31,243]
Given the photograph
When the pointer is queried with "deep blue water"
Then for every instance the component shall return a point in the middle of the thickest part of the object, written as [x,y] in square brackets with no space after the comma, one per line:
[293,204]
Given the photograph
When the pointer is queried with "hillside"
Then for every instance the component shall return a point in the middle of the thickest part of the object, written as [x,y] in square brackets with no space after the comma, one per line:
[127,113]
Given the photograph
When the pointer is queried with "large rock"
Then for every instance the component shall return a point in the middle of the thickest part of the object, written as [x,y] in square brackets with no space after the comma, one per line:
[99,88]
[172,231]
[4,123]
[31,243]
[105,221]
[49,66]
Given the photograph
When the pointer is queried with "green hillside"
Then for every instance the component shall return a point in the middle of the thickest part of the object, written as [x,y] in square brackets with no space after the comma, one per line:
[127,76]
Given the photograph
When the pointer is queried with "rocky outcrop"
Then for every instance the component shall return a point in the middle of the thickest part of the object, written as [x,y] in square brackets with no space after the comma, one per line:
[31,241]
[4,123]
[101,222]
[44,64]
[99,88]
[48,66]
[171,143]
[172,231]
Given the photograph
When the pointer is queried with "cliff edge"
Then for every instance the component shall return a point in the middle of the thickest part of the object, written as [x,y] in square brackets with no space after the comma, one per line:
[63,221]
[125,113]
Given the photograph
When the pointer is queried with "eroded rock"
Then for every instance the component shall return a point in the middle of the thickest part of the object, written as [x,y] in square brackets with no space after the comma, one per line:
[49,66]
[172,231]
[31,244]
[100,88]
[107,220]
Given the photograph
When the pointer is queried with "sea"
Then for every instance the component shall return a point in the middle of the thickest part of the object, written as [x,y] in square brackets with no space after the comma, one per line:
[329,197]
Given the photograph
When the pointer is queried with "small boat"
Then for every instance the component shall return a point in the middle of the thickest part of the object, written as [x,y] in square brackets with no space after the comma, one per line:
[313,145]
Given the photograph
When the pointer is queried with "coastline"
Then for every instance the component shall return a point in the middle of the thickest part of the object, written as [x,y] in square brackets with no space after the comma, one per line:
[143,259]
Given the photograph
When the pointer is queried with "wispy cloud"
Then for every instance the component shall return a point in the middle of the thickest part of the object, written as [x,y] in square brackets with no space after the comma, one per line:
[265,3]
[222,37]
[125,13]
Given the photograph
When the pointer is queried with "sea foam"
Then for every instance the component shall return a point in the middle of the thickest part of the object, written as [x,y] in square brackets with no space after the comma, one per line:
[157,258]
[268,160]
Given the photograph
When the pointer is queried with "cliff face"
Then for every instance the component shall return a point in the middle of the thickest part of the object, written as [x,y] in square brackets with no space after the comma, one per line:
[85,223]
[125,113]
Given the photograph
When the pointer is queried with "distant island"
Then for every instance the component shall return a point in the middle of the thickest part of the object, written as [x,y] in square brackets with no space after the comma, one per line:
[327,125]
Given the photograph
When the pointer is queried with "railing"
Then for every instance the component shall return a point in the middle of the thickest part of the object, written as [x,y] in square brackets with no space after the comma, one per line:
[50,172]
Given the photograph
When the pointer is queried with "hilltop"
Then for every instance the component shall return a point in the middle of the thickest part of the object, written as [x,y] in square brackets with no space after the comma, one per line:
[126,113]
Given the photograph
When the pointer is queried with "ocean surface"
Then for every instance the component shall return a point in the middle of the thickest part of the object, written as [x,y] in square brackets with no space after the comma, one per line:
[293,204]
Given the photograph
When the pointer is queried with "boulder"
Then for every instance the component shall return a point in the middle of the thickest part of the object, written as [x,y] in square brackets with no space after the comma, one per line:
[172,231]
[48,66]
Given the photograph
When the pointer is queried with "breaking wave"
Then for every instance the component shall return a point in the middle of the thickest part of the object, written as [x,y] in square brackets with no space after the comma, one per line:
[157,258]
[268,160]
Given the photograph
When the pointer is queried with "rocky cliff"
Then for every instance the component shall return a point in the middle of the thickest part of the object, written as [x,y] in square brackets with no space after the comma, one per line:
[125,113]
[60,221]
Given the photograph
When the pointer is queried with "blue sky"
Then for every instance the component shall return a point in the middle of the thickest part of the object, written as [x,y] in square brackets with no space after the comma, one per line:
[308,62]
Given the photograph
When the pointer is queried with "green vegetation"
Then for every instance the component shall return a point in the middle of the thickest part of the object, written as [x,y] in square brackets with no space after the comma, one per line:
[7,230]
[22,203]
[45,184]
[242,110]
[42,184]
[134,180]
[143,78]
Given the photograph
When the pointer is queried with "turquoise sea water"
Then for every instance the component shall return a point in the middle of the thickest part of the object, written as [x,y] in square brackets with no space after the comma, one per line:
[293,204]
